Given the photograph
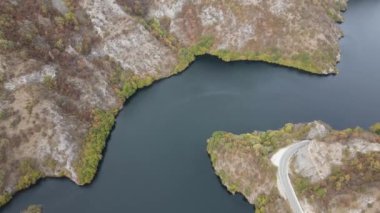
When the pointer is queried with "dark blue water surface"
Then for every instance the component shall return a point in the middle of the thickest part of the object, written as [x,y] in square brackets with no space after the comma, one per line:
[156,158]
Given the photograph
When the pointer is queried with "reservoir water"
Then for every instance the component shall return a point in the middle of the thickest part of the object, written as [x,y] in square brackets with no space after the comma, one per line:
[156,158]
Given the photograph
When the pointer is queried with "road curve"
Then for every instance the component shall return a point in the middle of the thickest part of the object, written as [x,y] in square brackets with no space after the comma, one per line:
[283,176]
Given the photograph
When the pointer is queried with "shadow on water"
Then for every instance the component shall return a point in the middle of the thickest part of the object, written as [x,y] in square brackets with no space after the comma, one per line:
[156,159]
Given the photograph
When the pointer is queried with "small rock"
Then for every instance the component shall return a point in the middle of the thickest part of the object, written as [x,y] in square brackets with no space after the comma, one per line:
[33,209]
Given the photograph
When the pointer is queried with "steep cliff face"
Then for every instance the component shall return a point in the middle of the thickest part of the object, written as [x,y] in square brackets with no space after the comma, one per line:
[66,66]
[338,171]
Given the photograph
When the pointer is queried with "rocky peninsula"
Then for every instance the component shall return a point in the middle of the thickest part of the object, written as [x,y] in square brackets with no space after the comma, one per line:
[67,67]
[337,171]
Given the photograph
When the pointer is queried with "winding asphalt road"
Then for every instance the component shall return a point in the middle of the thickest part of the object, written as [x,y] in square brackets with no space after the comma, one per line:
[283,176]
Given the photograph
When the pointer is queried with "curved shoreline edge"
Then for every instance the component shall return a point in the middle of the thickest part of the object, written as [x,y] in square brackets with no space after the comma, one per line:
[95,141]
[104,121]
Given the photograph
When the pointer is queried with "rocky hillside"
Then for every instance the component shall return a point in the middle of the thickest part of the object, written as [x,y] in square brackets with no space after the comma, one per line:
[338,171]
[66,66]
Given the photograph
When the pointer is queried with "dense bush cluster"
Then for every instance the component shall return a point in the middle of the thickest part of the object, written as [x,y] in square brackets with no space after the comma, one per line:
[93,146]
[29,174]
[187,55]
[5,198]
[300,61]
[154,26]
[376,128]
[270,202]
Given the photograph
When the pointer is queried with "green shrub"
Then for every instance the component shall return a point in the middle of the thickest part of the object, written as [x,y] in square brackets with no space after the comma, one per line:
[288,127]
[155,26]
[29,175]
[232,188]
[302,185]
[103,121]
[218,135]
[5,198]
[133,83]
[375,128]
[93,146]
[321,192]
[59,22]
[6,45]
[60,44]
[300,61]
[49,82]
[187,55]
[160,33]
[71,19]
[6,21]
[260,203]
[334,14]
[50,163]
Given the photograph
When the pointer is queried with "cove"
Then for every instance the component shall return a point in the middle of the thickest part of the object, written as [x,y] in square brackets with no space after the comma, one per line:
[156,158]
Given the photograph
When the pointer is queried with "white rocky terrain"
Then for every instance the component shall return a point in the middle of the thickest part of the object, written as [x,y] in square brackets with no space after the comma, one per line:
[319,158]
